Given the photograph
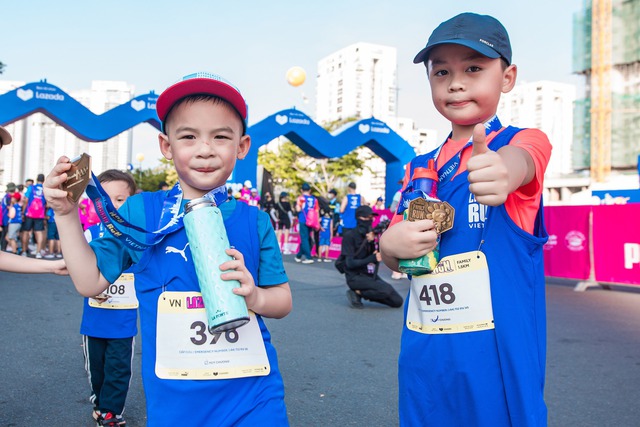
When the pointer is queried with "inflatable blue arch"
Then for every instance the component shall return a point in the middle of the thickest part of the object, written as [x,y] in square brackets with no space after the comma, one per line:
[52,101]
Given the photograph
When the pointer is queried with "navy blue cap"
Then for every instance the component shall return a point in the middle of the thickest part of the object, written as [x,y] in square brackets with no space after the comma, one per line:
[482,33]
[306,187]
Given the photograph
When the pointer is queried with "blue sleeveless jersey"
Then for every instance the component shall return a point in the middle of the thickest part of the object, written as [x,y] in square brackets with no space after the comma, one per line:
[494,377]
[17,219]
[242,401]
[349,214]
[107,323]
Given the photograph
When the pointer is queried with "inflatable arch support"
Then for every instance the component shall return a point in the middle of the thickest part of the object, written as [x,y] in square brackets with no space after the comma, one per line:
[52,101]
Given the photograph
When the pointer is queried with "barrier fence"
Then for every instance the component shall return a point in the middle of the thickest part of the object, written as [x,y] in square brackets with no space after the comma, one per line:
[598,244]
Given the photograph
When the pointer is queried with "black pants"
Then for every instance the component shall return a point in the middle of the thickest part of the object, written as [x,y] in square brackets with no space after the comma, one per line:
[108,364]
[3,235]
[374,289]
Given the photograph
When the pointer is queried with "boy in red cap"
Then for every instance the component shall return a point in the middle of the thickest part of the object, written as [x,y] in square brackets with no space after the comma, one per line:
[191,377]
[473,346]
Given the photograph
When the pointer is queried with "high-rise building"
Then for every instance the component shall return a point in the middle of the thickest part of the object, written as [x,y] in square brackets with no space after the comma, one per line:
[357,81]
[547,106]
[39,141]
[360,81]
[614,57]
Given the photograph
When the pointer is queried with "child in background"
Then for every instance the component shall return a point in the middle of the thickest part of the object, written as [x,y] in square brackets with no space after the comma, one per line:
[326,231]
[15,223]
[109,324]
[52,236]
[473,348]
[204,132]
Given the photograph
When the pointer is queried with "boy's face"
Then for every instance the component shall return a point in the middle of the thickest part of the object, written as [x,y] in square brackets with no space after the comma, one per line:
[118,191]
[466,85]
[203,139]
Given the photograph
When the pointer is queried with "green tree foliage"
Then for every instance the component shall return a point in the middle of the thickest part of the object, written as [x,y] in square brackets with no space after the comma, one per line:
[2,65]
[291,167]
[150,179]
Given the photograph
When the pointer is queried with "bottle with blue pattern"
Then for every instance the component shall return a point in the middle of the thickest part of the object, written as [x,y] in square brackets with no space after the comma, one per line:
[208,240]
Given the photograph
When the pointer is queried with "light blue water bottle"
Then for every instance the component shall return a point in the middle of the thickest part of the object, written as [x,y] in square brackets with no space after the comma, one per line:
[207,237]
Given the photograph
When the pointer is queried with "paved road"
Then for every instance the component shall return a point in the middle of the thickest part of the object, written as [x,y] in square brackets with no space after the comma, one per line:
[339,364]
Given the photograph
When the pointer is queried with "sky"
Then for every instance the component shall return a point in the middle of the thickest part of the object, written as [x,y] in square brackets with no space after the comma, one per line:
[151,45]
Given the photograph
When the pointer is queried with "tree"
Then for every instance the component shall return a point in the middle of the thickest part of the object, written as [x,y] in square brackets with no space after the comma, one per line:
[2,65]
[150,179]
[291,167]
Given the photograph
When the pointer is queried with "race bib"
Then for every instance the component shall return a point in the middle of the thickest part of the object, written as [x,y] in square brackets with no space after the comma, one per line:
[119,295]
[185,350]
[454,298]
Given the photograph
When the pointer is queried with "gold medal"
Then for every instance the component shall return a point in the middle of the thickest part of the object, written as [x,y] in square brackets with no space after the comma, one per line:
[441,213]
[78,177]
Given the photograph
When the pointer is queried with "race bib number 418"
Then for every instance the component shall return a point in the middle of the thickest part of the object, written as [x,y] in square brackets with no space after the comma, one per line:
[455,298]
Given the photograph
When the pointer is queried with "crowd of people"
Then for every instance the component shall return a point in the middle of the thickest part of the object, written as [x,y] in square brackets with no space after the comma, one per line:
[28,225]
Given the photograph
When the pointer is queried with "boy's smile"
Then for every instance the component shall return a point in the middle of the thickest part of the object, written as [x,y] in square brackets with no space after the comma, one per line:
[466,85]
[204,139]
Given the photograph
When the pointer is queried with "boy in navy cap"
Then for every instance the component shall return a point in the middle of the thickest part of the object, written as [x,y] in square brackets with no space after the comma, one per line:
[473,346]
[191,377]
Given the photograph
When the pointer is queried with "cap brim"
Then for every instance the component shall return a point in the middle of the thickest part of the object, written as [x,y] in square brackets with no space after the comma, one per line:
[5,136]
[195,86]
[485,50]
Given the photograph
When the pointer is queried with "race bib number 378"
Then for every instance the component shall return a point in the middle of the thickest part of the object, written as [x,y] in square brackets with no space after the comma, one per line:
[455,298]
[186,350]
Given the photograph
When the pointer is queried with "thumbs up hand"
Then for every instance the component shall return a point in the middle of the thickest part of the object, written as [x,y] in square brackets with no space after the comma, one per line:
[488,173]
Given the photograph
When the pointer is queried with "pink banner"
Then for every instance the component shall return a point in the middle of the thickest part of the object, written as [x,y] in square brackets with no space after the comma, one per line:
[292,245]
[616,241]
[566,254]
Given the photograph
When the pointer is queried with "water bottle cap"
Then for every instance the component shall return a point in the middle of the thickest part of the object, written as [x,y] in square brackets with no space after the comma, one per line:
[200,202]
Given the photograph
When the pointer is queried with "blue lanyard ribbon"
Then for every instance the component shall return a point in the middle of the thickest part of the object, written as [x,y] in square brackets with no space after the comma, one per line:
[450,167]
[170,219]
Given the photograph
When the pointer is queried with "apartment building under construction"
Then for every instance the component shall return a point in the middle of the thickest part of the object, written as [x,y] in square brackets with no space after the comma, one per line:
[606,50]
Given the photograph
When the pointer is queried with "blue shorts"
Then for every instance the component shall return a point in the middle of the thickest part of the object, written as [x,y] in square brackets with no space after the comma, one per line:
[35,224]
[325,241]
[52,231]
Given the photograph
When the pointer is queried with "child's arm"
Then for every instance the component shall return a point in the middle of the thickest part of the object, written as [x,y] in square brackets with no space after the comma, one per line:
[407,240]
[272,301]
[493,175]
[80,258]
[19,264]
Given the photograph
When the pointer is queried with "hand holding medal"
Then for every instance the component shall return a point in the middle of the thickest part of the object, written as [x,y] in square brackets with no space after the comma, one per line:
[78,177]
[426,205]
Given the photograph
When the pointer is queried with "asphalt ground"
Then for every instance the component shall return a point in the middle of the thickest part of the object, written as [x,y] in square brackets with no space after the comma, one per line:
[338,363]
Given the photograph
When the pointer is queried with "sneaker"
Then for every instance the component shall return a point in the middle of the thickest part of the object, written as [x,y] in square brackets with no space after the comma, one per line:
[39,255]
[308,261]
[354,299]
[49,256]
[23,254]
[109,419]
[58,255]
[327,260]
[396,275]
[297,259]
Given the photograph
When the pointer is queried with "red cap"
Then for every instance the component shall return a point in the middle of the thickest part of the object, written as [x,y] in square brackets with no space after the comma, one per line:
[201,83]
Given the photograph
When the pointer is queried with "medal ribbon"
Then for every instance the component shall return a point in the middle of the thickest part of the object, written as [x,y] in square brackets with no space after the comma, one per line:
[170,219]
